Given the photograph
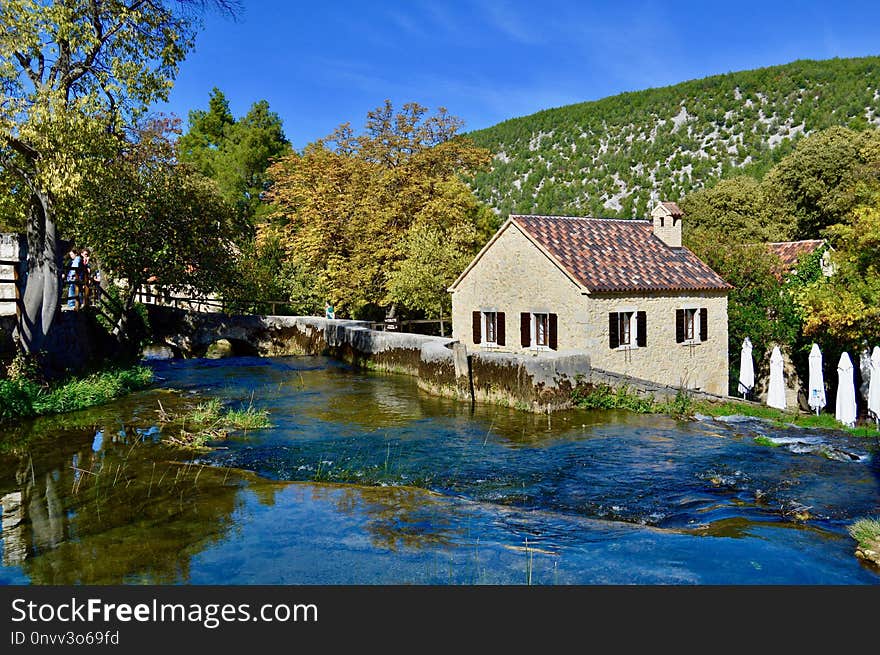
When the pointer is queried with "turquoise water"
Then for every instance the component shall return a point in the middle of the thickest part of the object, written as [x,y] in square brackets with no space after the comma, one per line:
[366,480]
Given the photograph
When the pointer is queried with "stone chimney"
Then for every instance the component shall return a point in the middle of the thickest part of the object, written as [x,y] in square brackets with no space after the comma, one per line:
[667,223]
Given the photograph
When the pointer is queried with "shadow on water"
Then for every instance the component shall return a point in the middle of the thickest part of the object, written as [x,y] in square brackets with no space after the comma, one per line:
[363,479]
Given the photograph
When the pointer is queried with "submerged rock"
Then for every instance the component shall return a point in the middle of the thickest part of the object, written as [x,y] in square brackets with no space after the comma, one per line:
[816,446]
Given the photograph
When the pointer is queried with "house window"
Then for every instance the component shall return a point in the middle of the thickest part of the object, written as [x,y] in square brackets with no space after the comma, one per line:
[627,329]
[538,330]
[624,320]
[542,329]
[490,326]
[691,325]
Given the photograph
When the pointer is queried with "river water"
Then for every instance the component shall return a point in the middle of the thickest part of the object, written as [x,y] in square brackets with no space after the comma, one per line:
[366,480]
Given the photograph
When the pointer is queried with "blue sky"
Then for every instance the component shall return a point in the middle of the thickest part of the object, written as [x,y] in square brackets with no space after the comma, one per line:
[320,64]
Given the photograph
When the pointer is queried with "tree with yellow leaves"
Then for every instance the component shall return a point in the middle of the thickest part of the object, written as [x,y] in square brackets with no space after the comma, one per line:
[355,208]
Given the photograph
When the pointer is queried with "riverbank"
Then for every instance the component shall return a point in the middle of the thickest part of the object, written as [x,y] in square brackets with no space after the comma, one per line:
[21,397]
[684,406]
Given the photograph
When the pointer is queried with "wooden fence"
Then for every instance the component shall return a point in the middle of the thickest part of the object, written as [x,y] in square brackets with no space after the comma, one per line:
[84,292]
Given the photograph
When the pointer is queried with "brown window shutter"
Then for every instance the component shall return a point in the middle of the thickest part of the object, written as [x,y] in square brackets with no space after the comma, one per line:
[704,324]
[642,329]
[553,320]
[613,331]
[679,326]
[500,330]
[525,329]
[477,326]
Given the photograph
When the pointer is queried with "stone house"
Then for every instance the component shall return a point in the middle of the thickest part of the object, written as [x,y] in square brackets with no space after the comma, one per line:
[626,292]
[789,252]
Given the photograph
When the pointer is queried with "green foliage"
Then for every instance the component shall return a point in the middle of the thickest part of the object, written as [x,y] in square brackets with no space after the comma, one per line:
[580,158]
[603,396]
[235,154]
[23,398]
[818,184]
[153,219]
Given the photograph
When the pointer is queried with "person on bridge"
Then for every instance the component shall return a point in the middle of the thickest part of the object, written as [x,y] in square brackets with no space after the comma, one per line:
[328,311]
[73,277]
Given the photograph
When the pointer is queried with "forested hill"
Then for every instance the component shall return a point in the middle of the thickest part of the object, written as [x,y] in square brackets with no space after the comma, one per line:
[615,156]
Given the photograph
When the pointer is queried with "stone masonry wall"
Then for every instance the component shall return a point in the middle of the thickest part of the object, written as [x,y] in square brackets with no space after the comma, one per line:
[12,248]
[513,276]
[442,366]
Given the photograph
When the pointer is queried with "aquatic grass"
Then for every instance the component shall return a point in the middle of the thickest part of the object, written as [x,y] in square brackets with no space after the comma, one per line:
[766,441]
[205,413]
[866,532]
[24,398]
[210,422]
[247,418]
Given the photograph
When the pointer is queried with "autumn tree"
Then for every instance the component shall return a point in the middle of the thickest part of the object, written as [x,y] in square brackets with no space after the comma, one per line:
[347,203]
[846,306]
[70,71]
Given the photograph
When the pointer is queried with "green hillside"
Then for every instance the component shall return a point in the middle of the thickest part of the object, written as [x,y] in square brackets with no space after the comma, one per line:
[614,156]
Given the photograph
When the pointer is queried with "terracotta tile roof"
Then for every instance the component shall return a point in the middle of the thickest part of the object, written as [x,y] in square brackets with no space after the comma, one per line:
[606,254]
[672,208]
[789,251]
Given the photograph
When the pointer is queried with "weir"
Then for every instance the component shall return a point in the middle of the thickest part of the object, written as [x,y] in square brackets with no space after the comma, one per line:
[442,366]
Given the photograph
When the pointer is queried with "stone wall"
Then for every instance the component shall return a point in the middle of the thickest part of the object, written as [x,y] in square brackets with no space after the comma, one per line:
[514,277]
[13,247]
[531,381]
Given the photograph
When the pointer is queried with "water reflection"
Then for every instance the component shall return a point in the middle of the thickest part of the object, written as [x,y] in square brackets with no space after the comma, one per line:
[392,485]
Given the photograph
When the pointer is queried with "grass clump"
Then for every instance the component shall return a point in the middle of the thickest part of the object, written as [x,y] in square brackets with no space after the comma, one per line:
[866,532]
[603,396]
[209,421]
[766,441]
[781,418]
[22,397]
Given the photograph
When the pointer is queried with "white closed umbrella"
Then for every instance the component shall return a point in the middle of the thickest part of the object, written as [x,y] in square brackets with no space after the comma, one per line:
[846,392]
[746,368]
[817,381]
[874,385]
[776,390]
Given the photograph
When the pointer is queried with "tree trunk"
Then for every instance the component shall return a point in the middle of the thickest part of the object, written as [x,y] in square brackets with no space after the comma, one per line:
[42,284]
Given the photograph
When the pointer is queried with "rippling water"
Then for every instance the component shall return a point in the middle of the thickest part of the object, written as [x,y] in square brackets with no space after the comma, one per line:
[363,479]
